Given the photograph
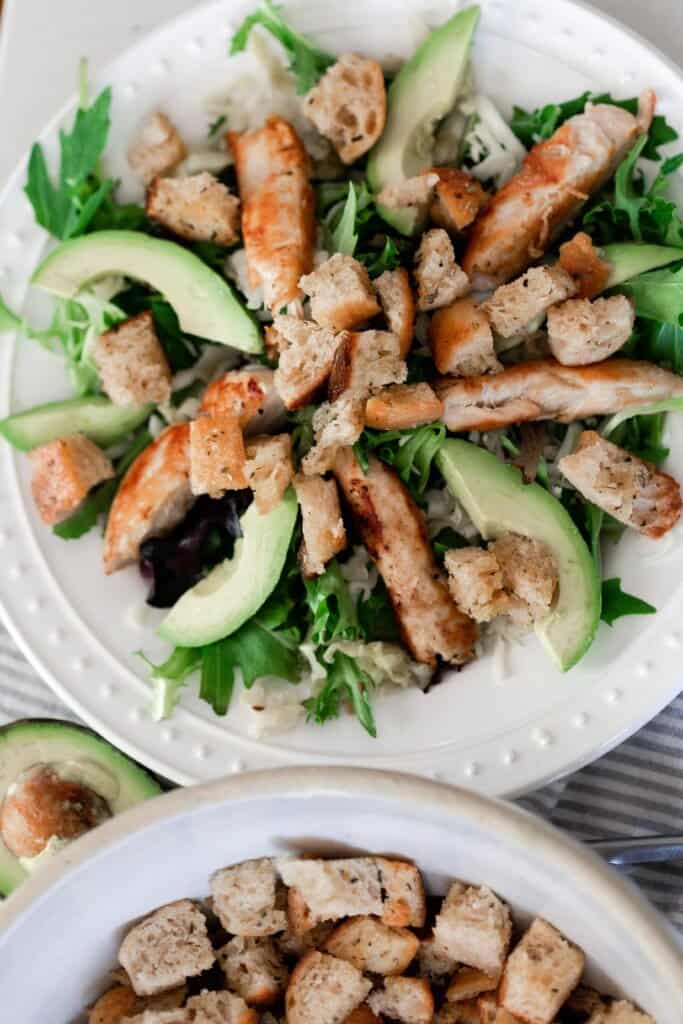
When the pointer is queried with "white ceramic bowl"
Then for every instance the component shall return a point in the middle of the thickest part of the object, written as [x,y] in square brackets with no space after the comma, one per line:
[60,932]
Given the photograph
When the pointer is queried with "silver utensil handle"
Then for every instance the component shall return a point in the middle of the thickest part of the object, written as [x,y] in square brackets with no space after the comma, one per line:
[645,850]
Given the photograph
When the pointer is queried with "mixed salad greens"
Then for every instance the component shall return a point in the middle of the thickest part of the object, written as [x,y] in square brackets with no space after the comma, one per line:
[337,634]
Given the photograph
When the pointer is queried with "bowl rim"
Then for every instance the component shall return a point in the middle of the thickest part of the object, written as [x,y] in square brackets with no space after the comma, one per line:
[629,907]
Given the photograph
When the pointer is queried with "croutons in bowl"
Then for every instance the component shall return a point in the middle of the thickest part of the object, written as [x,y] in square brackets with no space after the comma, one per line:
[162,894]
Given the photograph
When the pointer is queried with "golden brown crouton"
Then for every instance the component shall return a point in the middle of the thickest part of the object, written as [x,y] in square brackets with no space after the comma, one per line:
[249,393]
[323,530]
[405,903]
[461,340]
[433,962]
[539,974]
[466,1012]
[412,193]
[620,1012]
[116,1005]
[198,208]
[408,1000]
[166,948]
[469,983]
[490,1012]
[131,362]
[520,305]
[372,946]
[474,927]
[299,943]
[458,200]
[336,425]
[349,105]
[582,332]
[364,362]
[332,889]
[157,149]
[402,405]
[529,576]
[113,1006]
[341,293]
[269,469]
[475,580]
[583,1002]
[245,898]
[631,490]
[583,263]
[253,969]
[63,472]
[439,278]
[219,1008]
[306,356]
[362,1015]
[398,305]
[324,990]
[217,456]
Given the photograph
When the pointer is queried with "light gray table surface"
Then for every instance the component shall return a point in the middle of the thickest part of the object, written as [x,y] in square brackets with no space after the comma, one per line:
[636,789]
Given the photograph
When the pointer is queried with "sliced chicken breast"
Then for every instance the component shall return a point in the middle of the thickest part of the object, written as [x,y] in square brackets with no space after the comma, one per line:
[392,528]
[153,497]
[556,178]
[546,390]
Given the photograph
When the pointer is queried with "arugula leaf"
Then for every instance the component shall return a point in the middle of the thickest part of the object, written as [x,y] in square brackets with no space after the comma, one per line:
[376,616]
[353,226]
[660,343]
[642,435]
[659,294]
[306,62]
[616,603]
[390,257]
[169,677]
[9,321]
[447,539]
[411,452]
[216,126]
[344,238]
[345,680]
[302,434]
[217,679]
[332,608]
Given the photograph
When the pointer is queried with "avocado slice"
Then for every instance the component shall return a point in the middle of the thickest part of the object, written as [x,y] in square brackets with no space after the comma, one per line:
[630,259]
[233,591]
[498,501]
[96,417]
[76,754]
[205,303]
[423,92]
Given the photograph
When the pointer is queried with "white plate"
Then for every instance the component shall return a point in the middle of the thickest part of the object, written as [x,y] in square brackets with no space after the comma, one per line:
[76,626]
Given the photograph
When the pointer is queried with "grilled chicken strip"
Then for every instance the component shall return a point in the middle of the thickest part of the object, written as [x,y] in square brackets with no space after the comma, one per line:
[556,178]
[546,390]
[393,530]
[153,497]
[278,209]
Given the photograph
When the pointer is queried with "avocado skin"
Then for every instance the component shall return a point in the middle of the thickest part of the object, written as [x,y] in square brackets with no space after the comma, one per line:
[76,741]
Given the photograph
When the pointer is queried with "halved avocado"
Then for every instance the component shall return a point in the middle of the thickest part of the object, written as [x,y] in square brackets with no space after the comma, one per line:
[79,757]
[630,259]
[205,303]
[96,417]
[498,501]
[233,591]
[423,92]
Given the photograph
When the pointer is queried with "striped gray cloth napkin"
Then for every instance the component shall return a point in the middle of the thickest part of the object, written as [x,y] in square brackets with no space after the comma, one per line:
[636,790]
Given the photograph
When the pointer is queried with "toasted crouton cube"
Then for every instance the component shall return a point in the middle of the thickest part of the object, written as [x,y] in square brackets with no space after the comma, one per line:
[341,293]
[440,280]
[475,580]
[620,1012]
[402,405]
[331,889]
[582,1003]
[251,394]
[469,983]
[461,340]
[324,535]
[474,928]
[299,943]
[405,904]
[398,305]
[412,194]
[269,469]
[198,208]
[364,362]
[629,489]
[253,969]
[131,362]
[217,456]
[306,356]
[408,1000]
[583,263]
[157,149]
[178,1016]
[113,1005]
[63,472]
[166,948]
[490,1012]
[433,962]
[362,1015]
[245,898]
[372,946]
[219,1008]
[582,332]
[521,305]
[349,105]
[529,575]
[324,990]
[458,200]
[336,425]
[466,1012]
[540,973]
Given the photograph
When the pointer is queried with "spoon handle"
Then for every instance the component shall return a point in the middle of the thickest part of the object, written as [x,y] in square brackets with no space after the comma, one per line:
[645,850]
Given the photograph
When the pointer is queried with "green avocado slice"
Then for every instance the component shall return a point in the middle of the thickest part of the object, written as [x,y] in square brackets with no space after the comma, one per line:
[204,302]
[85,756]
[498,501]
[233,591]
[631,259]
[423,92]
[96,417]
